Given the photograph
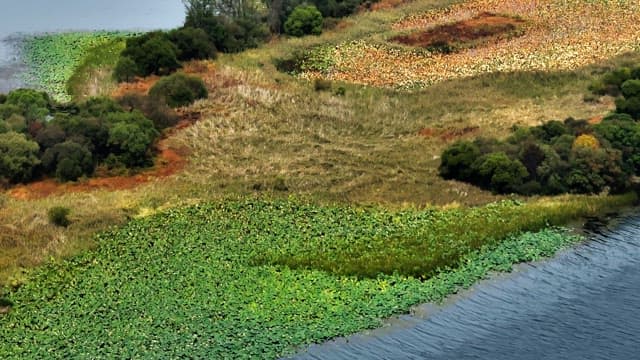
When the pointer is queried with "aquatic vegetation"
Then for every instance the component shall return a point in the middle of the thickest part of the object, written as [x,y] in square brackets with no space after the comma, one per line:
[182,284]
[53,58]
[557,35]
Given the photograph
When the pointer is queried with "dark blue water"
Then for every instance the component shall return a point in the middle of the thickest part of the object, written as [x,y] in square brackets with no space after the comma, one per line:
[583,304]
[19,17]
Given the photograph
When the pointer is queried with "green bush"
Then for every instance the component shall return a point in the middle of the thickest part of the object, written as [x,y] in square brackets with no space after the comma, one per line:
[130,138]
[68,160]
[153,53]
[179,90]
[631,88]
[59,216]
[457,161]
[126,70]
[34,104]
[501,173]
[304,20]
[18,157]
[192,44]
[231,35]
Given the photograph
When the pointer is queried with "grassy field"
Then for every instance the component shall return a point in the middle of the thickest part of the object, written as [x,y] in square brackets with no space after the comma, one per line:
[364,159]
[182,284]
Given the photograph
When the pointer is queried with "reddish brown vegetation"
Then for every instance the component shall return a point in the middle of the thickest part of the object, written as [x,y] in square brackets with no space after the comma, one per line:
[484,27]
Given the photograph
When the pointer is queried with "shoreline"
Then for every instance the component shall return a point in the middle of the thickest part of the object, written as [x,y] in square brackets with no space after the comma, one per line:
[424,312]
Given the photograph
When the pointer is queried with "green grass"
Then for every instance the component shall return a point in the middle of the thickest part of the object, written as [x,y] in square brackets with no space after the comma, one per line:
[52,59]
[181,284]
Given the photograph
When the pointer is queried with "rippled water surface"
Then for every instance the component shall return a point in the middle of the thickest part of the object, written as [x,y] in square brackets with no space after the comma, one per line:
[37,16]
[583,304]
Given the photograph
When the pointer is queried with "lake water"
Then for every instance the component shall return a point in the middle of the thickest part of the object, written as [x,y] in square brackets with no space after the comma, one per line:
[583,304]
[19,17]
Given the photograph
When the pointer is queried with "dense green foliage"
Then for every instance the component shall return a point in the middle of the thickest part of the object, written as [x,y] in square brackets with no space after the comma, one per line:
[304,20]
[59,216]
[553,158]
[181,284]
[53,58]
[39,137]
[152,53]
[179,89]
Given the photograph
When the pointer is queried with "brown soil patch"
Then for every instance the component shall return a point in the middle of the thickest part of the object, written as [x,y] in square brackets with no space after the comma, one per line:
[466,33]
[596,120]
[448,134]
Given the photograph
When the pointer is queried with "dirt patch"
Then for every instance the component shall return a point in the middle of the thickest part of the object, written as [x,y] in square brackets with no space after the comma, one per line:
[468,33]
[448,134]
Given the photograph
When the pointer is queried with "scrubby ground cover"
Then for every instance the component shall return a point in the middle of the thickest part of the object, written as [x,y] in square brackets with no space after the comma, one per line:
[558,35]
[52,59]
[181,284]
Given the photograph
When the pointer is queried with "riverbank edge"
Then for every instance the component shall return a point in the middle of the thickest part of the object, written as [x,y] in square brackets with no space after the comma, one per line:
[486,264]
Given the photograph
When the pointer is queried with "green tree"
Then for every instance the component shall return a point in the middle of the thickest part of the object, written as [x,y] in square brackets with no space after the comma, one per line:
[153,53]
[130,138]
[304,20]
[192,43]
[501,173]
[126,69]
[68,161]
[18,157]
[34,104]
[457,161]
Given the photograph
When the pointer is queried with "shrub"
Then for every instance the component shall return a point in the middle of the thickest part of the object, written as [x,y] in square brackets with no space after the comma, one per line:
[586,141]
[6,110]
[16,123]
[304,20]
[68,161]
[629,106]
[130,138]
[51,135]
[457,161]
[631,88]
[34,104]
[153,53]
[501,173]
[231,34]
[126,70]
[3,98]
[18,157]
[179,90]
[59,216]
[153,108]
[592,170]
[192,44]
